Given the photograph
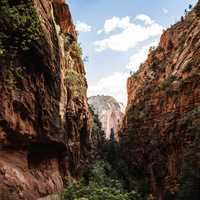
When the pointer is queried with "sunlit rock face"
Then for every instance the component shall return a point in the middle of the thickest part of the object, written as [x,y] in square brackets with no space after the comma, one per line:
[163,107]
[44,117]
[109,111]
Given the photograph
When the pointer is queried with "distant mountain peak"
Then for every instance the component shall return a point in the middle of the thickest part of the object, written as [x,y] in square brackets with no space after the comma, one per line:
[109,111]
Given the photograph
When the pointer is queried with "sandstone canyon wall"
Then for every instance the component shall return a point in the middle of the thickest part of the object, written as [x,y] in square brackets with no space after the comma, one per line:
[162,117]
[44,117]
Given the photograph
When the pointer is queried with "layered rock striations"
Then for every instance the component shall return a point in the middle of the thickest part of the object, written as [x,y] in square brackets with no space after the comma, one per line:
[44,117]
[109,111]
[162,117]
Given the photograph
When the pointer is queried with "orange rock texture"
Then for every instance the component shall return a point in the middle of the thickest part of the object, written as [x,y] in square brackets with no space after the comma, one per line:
[160,96]
[44,117]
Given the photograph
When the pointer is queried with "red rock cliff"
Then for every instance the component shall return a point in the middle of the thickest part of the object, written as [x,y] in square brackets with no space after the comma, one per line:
[44,118]
[161,97]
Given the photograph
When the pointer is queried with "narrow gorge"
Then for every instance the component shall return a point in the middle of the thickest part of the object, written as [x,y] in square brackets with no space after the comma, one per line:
[54,140]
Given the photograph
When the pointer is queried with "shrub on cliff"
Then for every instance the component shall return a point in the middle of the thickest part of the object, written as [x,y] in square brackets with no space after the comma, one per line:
[75,82]
[188,67]
[67,42]
[19,26]
[77,49]
[167,82]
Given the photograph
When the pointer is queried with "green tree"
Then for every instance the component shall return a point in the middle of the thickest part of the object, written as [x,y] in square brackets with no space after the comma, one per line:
[98,135]
[100,187]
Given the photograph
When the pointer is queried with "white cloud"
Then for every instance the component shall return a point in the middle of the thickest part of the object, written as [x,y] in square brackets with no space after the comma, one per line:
[145,18]
[130,35]
[114,23]
[83,27]
[113,85]
[139,57]
[165,11]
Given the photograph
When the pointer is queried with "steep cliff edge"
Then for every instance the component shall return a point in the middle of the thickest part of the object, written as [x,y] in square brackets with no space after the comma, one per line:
[44,117]
[109,111]
[162,117]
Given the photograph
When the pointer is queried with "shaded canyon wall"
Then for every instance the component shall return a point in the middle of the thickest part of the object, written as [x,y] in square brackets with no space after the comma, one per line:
[44,117]
[163,108]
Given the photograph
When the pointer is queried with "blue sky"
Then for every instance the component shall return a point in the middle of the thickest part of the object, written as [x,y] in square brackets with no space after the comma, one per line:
[116,36]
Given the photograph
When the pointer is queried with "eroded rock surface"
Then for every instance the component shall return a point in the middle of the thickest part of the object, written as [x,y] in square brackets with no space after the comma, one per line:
[44,117]
[161,97]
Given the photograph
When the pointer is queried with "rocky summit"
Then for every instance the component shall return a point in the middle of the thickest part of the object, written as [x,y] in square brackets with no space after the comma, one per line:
[109,111]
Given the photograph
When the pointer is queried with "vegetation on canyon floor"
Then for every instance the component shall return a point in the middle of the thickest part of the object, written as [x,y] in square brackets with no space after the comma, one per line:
[106,178]
[111,178]
[99,184]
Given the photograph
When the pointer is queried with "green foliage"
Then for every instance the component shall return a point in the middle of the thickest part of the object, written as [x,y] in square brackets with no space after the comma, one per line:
[19,27]
[187,67]
[98,135]
[133,75]
[167,82]
[106,179]
[12,75]
[157,65]
[76,83]
[152,49]
[155,50]
[81,192]
[99,187]
[67,42]
[77,50]
[194,78]
[99,174]
[129,177]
